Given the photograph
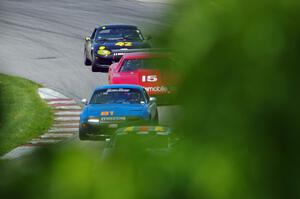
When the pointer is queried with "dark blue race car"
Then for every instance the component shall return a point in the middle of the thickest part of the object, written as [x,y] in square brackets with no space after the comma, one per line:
[107,44]
[114,106]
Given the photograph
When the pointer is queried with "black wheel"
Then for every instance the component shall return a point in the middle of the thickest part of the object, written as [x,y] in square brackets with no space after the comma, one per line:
[82,136]
[95,68]
[87,62]
[155,120]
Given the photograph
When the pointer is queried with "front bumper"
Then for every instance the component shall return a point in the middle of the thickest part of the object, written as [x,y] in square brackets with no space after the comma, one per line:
[105,61]
[102,61]
[106,129]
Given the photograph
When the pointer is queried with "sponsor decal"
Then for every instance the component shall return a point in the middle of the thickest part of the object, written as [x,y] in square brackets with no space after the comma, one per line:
[121,43]
[119,54]
[113,118]
[117,90]
[157,89]
[107,113]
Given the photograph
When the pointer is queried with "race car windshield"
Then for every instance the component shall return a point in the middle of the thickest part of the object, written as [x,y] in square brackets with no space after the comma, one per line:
[118,34]
[117,96]
[151,63]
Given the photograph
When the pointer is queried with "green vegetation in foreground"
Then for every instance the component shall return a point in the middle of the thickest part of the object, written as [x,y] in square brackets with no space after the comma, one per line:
[239,128]
[23,114]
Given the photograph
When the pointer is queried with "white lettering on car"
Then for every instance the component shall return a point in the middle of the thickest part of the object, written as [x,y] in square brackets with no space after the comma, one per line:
[157,89]
[149,78]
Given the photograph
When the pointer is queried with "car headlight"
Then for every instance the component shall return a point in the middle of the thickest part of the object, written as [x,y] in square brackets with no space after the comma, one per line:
[102,51]
[93,120]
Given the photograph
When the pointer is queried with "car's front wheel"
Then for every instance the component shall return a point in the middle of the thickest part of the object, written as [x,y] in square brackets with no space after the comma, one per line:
[95,68]
[87,62]
[82,135]
[155,120]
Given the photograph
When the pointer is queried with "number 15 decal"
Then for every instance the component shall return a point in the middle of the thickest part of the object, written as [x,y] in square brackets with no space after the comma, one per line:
[149,78]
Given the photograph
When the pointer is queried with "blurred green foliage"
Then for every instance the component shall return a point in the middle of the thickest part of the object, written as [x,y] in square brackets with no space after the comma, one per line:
[240,66]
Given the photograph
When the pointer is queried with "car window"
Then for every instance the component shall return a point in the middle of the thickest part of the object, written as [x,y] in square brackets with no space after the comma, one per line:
[146,95]
[118,96]
[119,33]
[130,65]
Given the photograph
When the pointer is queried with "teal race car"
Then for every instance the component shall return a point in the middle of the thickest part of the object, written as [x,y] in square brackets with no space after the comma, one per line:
[115,106]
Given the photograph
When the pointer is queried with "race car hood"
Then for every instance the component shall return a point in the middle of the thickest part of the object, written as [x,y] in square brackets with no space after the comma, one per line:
[95,110]
[120,44]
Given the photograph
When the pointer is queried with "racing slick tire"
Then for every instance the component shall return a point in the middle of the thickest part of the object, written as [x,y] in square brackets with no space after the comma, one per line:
[87,62]
[83,136]
[155,120]
[94,68]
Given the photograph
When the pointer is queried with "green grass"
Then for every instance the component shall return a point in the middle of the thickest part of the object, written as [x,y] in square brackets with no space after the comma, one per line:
[23,115]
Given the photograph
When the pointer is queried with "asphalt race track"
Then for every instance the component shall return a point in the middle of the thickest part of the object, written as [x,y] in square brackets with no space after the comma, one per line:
[42,40]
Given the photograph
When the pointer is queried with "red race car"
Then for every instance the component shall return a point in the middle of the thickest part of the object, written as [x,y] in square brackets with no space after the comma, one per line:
[147,69]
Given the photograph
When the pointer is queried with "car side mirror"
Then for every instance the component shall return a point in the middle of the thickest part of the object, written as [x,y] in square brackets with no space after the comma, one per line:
[84,101]
[87,39]
[149,37]
[113,66]
[152,99]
